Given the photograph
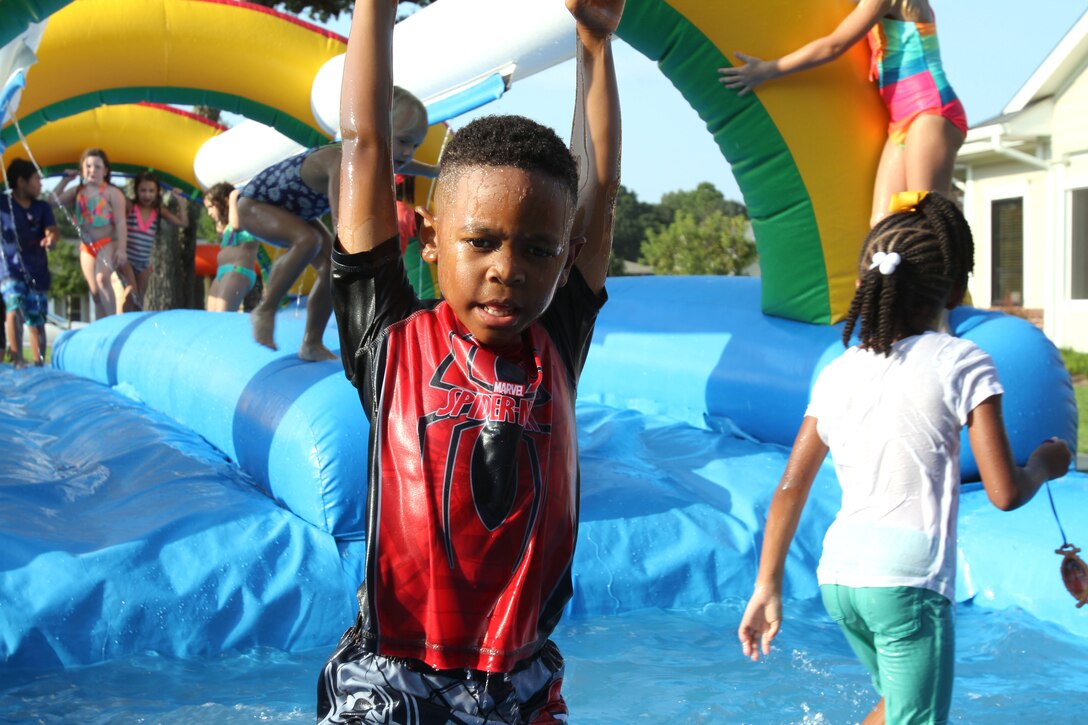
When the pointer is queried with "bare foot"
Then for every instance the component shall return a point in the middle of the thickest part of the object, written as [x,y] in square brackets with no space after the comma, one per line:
[264,325]
[17,360]
[315,353]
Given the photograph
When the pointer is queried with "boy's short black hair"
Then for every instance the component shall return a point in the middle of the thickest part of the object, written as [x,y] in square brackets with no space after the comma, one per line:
[20,169]
[513,141]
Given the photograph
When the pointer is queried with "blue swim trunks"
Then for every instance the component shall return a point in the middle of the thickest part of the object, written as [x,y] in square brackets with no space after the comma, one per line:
[17,296]
[281,185]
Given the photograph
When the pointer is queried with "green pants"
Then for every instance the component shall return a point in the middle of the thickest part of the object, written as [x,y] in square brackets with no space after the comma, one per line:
[904,637]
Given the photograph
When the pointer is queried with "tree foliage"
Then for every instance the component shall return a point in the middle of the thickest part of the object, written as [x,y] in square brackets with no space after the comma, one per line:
[633,218]
[320,10]
[68,280]
[714,243]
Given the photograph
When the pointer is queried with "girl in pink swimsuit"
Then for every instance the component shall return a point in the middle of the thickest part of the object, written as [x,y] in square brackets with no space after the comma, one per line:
[100,217]
[927,122]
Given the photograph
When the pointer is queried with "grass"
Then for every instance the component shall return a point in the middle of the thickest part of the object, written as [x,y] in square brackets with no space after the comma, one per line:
[1077,365]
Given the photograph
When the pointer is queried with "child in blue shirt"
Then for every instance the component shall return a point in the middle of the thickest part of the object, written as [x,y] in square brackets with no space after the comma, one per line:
[29,230]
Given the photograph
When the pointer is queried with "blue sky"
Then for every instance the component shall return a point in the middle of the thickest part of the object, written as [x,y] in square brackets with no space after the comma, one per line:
[989,49]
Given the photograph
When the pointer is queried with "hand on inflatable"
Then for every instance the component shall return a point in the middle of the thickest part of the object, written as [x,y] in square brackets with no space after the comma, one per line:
[599,18]
[760,624]
[744,78]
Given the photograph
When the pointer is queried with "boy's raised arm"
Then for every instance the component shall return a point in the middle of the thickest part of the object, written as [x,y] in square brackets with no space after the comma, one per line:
[367,211]
[595,137]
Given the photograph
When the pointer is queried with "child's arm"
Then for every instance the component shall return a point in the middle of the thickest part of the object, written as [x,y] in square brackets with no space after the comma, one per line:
[367,211]
[853,28]
[1007,485]
[118,203]
[62,195]
[232,210]
[181,219]
[763,615]
[52,235]
[595,137]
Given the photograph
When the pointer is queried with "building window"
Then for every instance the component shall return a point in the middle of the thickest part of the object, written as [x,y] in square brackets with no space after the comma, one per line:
[1007,225]
[1078,258]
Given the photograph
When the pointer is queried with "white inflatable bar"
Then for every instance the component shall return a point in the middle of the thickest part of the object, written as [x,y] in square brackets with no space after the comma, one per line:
[505,39]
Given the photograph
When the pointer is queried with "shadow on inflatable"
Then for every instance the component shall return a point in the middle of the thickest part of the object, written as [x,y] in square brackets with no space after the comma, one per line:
[208,494]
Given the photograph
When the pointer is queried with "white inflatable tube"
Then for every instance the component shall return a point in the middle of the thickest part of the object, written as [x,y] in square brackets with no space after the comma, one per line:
[239,153]
[515,38]
[508,39]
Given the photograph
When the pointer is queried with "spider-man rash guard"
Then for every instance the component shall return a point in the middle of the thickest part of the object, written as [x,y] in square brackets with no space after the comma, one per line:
[472,508]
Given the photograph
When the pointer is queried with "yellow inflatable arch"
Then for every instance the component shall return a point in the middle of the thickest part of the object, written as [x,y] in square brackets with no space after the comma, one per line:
[231,55]
[137,137]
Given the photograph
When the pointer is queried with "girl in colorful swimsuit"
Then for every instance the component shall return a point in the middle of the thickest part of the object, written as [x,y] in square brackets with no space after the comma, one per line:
[237,259]
[99,216]
[927,122]
[283,205]
[143,217]
[890,410]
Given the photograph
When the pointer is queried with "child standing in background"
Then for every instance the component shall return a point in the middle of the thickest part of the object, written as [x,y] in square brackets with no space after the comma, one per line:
[890,411]
[236,263]
[100,209]
[143,217]
[30,230]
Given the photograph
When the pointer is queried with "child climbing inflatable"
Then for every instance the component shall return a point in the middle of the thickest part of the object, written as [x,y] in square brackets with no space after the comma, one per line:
[283,206]
[927,123]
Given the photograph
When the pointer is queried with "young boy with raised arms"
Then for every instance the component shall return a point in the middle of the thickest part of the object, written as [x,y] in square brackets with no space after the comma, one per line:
[473,465]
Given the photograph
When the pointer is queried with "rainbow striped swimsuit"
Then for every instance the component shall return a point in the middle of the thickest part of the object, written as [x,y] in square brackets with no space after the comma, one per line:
[907,66]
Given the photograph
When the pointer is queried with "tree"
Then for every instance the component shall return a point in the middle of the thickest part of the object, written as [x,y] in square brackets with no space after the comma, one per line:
[174,284]
[711,244]
[68,280]
[701,201]
[633,218]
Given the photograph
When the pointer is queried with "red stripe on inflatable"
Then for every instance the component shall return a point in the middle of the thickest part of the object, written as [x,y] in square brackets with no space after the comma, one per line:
[282,16]
[186,114]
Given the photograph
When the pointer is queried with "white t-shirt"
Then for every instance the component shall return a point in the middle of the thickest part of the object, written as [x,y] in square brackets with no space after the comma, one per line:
[893,427]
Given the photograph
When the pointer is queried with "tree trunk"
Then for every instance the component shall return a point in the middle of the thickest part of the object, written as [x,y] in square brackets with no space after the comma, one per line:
[174,284]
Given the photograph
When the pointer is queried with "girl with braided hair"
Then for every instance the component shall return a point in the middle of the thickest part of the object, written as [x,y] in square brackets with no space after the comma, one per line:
[890,411]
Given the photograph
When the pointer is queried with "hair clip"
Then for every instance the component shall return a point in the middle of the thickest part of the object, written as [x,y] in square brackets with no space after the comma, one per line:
[905,201]
[886,262]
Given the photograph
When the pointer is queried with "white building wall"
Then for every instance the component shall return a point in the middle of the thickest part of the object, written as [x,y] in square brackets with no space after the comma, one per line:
[1006,181]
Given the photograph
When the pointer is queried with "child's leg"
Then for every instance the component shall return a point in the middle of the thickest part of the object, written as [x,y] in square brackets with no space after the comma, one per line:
[284,229]
[88,263]
[13,325]
[891,178]
[228,291]
[14,294]
[37,306]
[143,280]
[931,148]
[904,637]
[37,344]
[319,306]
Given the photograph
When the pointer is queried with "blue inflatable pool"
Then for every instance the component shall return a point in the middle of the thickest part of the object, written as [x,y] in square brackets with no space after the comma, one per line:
[174,488]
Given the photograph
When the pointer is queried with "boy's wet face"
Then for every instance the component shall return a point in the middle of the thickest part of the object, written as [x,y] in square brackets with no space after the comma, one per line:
[500,238]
